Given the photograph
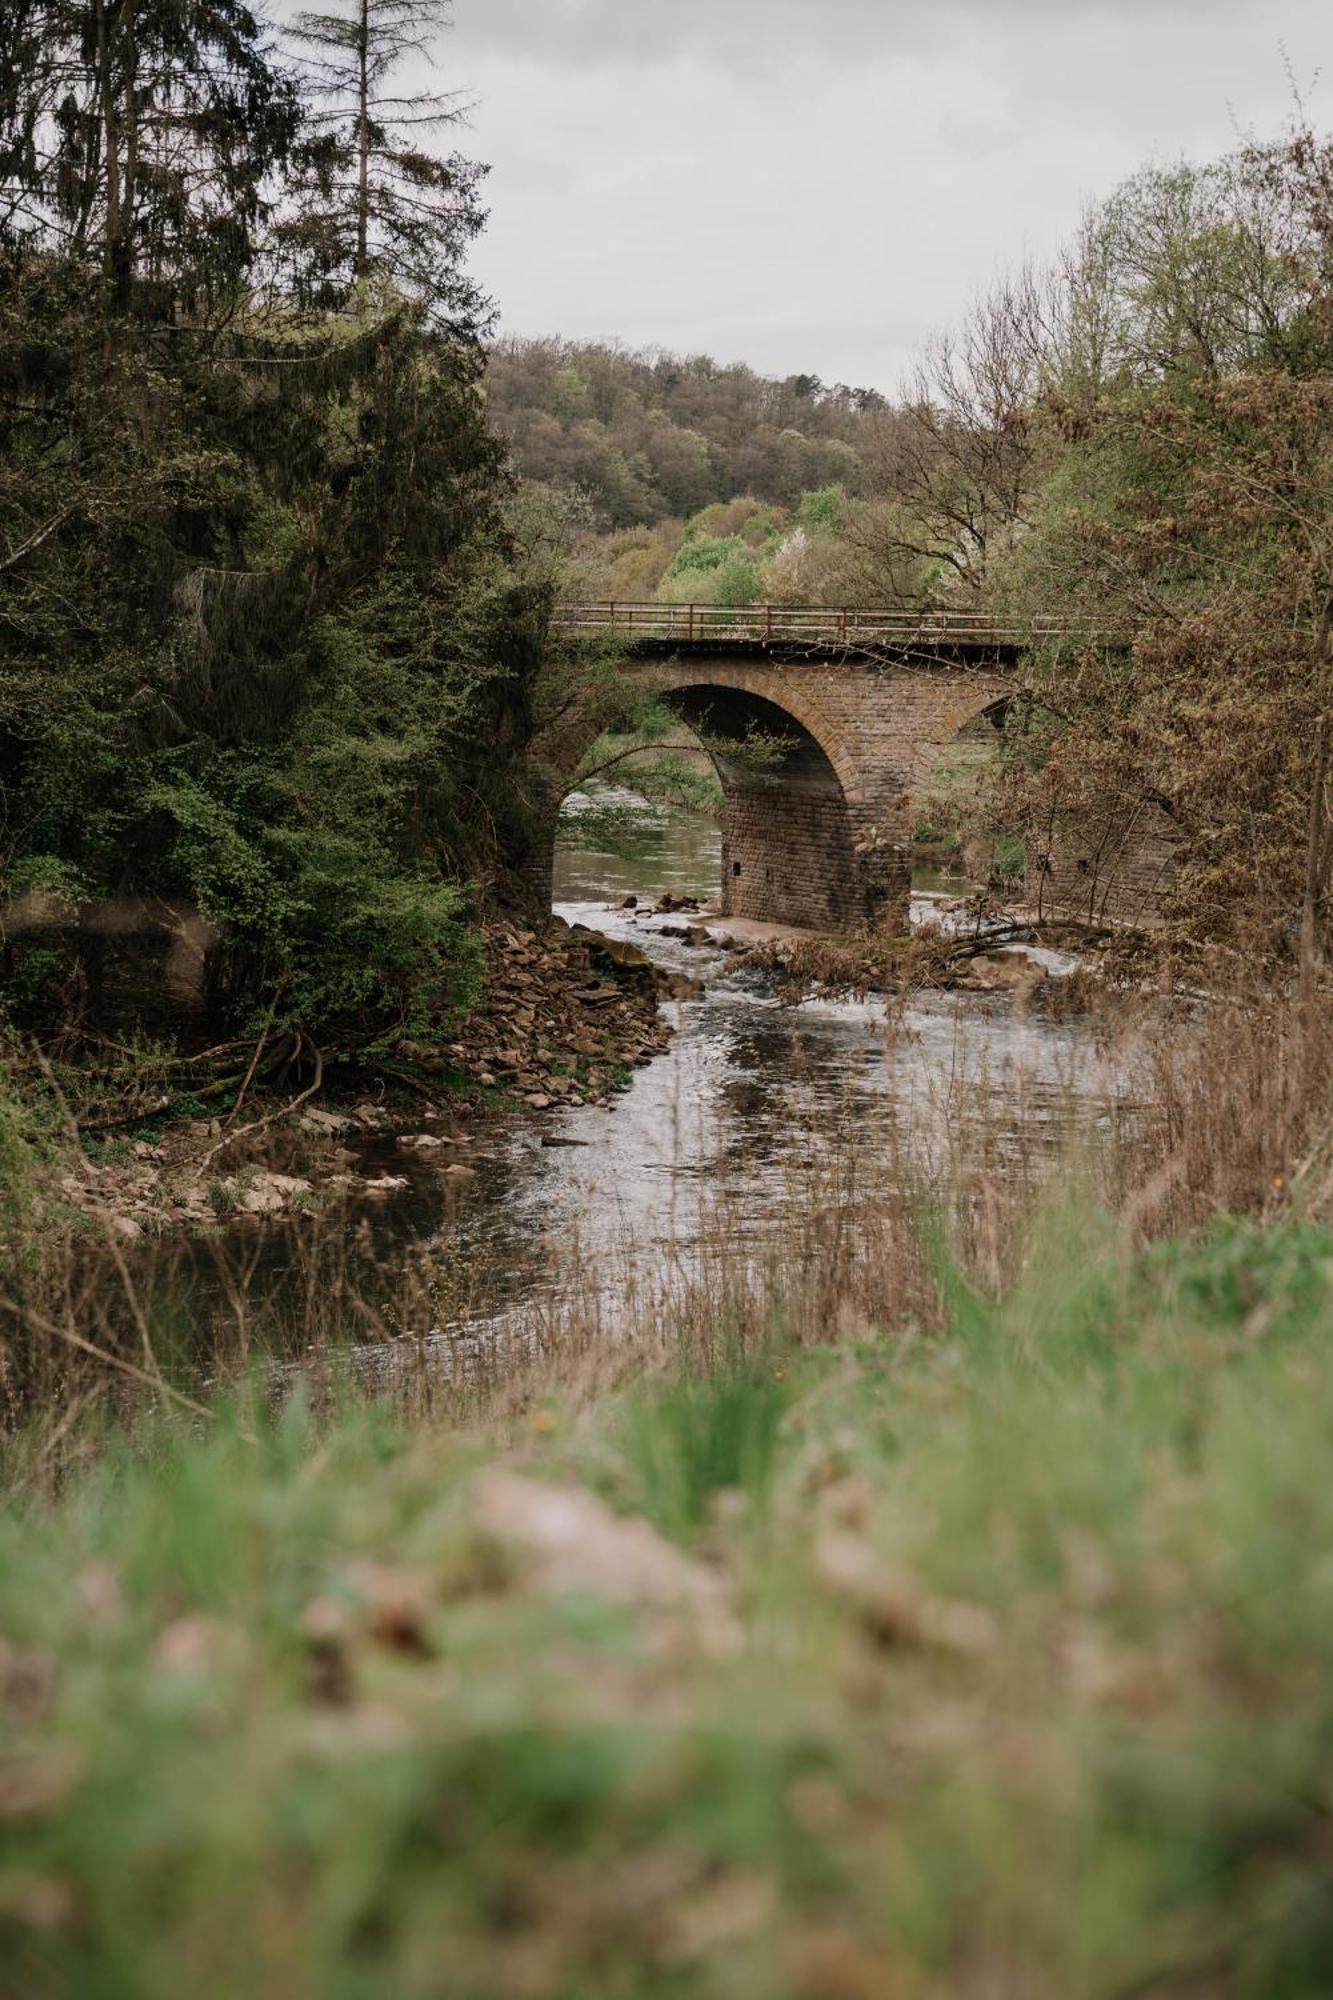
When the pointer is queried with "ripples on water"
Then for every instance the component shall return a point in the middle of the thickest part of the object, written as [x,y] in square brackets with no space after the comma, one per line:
[749,1095]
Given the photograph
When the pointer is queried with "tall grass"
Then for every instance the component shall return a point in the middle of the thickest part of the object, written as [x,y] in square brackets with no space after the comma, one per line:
[1228,1111]
[950,1611]
[1001,1664]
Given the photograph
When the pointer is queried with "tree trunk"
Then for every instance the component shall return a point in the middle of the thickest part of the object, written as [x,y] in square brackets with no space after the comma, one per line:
[125,245]
[363,145]
[110,138]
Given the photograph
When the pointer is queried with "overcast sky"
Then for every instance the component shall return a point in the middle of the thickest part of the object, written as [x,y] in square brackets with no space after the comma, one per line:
[817,184]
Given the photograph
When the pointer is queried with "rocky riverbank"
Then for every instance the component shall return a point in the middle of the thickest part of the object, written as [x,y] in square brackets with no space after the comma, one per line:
[567,1017]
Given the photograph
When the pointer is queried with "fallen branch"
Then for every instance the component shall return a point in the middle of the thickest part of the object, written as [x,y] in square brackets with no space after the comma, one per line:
[254,1061]
[112,1119]
[271,1117]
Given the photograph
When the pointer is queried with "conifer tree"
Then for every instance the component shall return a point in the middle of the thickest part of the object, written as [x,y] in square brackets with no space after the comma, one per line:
[373,198]
[139,135]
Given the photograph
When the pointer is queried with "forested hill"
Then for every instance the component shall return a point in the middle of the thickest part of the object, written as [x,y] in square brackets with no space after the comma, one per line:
[648,435]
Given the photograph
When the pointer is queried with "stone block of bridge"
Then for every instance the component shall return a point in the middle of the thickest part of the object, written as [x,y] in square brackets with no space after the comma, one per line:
[1115,867]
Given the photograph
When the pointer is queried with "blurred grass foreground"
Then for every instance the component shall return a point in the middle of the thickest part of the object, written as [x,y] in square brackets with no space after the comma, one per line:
[989,1657]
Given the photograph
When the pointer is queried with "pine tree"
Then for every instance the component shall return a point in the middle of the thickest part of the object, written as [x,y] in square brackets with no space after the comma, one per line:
[139,135]
[371,199]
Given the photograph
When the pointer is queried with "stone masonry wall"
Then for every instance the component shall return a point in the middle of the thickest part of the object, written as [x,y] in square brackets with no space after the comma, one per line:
[790,851]
[1114,868]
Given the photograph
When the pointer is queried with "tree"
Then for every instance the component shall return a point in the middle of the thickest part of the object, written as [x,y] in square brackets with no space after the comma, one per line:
[265,654]
[1182,504]
[955,460]
[369,200]
[140,135]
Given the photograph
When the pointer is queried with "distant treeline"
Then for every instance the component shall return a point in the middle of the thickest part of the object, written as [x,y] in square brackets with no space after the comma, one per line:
[651,435]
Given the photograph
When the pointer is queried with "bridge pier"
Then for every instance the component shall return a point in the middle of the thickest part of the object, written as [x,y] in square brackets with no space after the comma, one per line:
[790,856]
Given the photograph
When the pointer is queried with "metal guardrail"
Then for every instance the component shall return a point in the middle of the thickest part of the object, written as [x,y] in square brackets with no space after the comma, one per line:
[810,625]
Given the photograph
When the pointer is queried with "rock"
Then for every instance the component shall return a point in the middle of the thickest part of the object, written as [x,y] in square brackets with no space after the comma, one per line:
[626,964]
[628,903]
[538,1100]
[893,1609]
[679,986]
[326,1123]
[125,1226]
[269,1194]
[458,1172]
[396,1607]
[422,1142]
[558,1139]
[385,1184]
[691,934]
[1001,972]
[567,1542]
[194,1645]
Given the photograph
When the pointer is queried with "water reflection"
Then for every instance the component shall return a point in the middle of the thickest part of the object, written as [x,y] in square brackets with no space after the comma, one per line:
[747,1095]
[611,843]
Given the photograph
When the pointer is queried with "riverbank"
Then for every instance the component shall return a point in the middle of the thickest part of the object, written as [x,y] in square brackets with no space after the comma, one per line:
[787,1666]
[564,1021]
[743,1620]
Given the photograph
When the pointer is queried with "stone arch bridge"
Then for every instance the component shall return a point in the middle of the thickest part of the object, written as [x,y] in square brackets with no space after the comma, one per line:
[854,710]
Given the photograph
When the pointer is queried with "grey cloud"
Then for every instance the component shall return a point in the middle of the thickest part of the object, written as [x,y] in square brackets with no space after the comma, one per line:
[815,184]
[846,31]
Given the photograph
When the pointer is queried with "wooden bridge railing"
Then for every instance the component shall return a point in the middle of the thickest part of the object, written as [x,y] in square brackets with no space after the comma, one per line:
[810,625]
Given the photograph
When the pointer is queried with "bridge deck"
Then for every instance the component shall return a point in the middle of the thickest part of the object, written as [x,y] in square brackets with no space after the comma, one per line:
[813,627]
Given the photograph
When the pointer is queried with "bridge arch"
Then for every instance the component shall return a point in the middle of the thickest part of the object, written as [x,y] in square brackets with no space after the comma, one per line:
[790,847]
[820,834]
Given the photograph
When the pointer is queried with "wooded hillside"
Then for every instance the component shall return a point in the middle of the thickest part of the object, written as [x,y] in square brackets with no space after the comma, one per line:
[650,435]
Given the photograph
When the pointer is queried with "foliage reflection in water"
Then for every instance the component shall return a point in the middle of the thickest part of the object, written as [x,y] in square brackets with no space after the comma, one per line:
[725,1130]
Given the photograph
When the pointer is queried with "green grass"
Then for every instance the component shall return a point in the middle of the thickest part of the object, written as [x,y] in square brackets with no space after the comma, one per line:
[1025,1687]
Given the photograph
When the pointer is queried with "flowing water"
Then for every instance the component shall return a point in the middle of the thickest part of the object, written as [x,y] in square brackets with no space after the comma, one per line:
[749,1090]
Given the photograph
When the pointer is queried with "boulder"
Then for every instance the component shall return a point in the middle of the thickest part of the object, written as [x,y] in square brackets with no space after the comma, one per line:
[564,1541]
[1001,972]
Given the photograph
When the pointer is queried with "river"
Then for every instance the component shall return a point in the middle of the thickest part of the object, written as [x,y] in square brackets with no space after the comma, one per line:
[749,1092]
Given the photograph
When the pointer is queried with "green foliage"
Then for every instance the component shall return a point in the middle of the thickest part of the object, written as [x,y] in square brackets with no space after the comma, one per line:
[655,437]
[823,512]
[687,1444]
[1051,1582]
[654,754]
[710,569]
[272,655]
[18,1163]
[140,138]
